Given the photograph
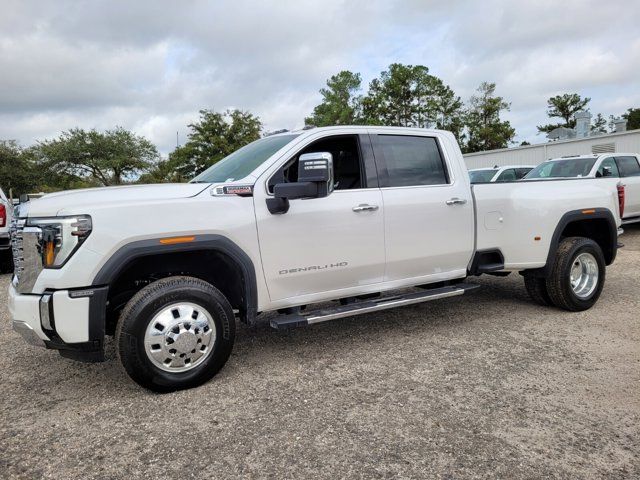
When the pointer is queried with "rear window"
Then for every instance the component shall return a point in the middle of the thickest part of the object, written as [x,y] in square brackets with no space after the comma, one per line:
[482,176]
[412,161]
[571,167]
[628,166]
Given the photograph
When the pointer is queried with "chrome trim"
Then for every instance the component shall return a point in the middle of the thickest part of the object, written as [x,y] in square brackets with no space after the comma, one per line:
[45,318]
[27,333]
[363,207]
[456,201]
[383,305]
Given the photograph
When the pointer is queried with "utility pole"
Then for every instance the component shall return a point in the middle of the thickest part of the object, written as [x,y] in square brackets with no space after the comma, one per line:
[177,141]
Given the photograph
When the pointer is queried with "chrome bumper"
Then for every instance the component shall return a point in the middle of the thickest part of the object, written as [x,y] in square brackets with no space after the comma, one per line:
[28,334]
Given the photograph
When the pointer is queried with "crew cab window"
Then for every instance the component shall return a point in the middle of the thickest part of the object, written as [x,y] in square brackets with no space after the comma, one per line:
[509,175]
[611,163]
[628,166]
[522,172]
[347,162]
[412,161]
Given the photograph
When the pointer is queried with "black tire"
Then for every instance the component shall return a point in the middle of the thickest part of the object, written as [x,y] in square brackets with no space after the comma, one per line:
[142,308]
[537,290]
[559,283]
[6,261]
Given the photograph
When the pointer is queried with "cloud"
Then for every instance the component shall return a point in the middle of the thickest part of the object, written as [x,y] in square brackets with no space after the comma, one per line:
[150,66]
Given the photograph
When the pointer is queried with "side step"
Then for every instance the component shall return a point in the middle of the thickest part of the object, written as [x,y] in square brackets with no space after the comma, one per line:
[629,220]
[374,305]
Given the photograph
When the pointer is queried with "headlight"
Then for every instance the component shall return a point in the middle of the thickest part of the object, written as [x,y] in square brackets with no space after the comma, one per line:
[59,237]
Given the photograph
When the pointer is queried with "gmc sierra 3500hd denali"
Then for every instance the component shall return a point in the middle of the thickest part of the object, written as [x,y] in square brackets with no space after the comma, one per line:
[292,220]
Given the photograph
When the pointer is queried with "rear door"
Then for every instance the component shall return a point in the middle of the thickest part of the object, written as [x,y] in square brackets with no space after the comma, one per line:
[629,168]
[429,224]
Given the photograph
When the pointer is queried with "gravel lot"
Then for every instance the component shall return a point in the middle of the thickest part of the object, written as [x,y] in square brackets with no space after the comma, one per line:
[487,385]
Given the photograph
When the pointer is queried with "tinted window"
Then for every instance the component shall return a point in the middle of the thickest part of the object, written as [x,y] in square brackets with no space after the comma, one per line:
[608,162]
[347,167]
[521,172]
[509,175]
[482,176]
[628,166]
[412,161]
[571,167]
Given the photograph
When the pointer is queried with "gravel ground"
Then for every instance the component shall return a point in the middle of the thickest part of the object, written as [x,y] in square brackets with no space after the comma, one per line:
[487,385]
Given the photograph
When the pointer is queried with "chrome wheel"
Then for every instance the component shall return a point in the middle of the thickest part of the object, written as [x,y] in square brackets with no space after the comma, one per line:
[180,337]
[584,275]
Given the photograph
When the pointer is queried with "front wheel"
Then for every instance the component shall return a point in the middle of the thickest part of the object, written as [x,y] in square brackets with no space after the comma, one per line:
[578,275]
[175,333]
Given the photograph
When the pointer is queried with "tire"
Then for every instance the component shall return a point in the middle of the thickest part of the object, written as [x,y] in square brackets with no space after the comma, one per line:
[559,285]
[537,290]
[159,314]
[6,261]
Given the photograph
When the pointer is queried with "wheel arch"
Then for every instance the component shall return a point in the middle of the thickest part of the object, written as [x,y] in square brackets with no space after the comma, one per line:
[213,258]
[597,224]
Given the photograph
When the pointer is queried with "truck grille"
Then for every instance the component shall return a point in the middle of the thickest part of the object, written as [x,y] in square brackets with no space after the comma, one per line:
[17,226]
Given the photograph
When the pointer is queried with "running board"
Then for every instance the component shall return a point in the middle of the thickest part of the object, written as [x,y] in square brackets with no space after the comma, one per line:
[368,306]
[627,221]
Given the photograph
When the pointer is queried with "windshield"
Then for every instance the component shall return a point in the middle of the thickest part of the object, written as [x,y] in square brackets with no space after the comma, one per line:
[571,167]
[243,161]
[482,176]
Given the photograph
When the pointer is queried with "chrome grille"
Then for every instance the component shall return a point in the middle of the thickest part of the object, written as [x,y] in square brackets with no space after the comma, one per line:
[17,227]
[27,258]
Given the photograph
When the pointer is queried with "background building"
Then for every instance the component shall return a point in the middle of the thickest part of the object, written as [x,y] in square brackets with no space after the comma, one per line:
[564,141]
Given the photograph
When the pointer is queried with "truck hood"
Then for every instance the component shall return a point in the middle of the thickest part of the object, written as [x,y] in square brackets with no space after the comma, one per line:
[74,201]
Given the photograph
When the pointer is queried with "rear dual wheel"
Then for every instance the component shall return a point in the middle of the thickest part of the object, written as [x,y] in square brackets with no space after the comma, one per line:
[577,278]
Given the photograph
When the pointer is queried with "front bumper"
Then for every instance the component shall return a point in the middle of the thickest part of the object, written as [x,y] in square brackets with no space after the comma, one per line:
[71,321]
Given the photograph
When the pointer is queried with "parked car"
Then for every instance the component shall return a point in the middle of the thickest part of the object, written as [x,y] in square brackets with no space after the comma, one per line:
[6,210]
[509,173]
[621,168]
[292,220]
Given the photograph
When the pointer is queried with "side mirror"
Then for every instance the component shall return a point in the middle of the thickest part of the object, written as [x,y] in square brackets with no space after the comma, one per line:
[607,171]
[315,180]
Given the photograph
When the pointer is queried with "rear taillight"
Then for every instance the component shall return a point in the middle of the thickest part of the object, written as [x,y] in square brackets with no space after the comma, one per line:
[621,199]
[3,215]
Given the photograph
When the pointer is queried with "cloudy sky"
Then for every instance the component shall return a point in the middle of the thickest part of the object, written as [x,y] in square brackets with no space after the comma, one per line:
[150,65]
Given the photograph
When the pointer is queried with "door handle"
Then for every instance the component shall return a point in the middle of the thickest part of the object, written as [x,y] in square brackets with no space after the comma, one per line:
[363,207]
[456,201]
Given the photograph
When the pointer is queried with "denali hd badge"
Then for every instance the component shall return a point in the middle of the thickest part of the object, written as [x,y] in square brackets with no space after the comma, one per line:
[313,268]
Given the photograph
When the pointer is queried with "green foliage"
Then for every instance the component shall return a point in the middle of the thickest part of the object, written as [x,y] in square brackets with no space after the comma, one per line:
[408,96]
[599,124]
[565,107]
[16,169]
[632,116]
[212,138]
[341,102]
[90,157]
[483,128]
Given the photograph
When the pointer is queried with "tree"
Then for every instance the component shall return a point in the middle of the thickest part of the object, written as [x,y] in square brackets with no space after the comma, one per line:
[341,101]
[599,124]
[565,107]
[632,116]
[212,138]
[483,128]
[105,158]
[17,173]
[408,96]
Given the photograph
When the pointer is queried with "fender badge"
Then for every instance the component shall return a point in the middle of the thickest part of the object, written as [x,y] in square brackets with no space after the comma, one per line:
[240,190]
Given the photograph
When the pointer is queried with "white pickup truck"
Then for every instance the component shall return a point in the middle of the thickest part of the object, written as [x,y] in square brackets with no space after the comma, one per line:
[300,218]
[622,168]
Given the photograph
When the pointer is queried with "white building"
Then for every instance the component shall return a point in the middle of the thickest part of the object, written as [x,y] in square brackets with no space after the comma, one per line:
[628,141]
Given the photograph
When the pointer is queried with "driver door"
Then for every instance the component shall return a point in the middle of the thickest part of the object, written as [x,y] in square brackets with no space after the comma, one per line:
[324,245]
